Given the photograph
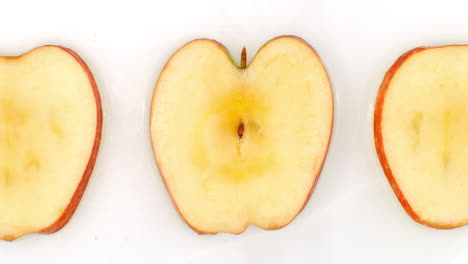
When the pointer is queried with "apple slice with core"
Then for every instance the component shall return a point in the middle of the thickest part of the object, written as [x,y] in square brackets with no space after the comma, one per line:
[421,134]
[50,131]
[237,146]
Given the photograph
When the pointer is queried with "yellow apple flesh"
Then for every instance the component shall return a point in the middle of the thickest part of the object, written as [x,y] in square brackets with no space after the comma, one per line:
[50,130]
[241,145]
[421,134]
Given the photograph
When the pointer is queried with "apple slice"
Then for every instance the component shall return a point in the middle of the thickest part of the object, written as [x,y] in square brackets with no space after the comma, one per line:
[50,130]
[421,134]
[237,146]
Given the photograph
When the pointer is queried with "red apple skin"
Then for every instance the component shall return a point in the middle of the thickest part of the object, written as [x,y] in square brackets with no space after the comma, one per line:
[75,200]
[225,50]
[379,146]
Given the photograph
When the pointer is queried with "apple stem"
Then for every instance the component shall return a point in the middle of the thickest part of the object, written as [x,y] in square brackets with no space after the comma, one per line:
[243,61]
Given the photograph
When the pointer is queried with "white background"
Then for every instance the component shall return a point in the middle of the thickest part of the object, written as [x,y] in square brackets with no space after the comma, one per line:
[126,216]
